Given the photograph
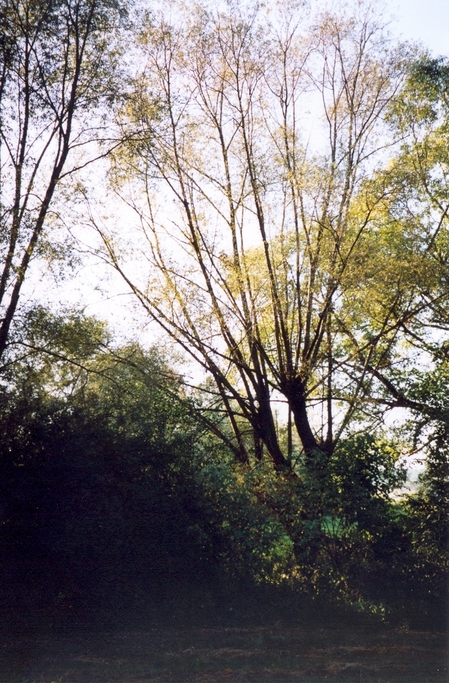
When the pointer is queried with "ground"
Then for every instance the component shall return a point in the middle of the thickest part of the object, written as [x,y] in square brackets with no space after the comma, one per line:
[265,654]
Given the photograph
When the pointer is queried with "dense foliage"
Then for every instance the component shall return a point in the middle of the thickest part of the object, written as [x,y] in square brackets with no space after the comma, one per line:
[115,499]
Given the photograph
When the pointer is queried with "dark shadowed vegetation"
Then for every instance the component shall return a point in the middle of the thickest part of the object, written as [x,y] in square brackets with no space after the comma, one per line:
[115,498]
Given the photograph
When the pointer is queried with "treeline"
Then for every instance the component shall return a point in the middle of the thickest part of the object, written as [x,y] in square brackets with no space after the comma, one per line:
[270,185]
[117,503]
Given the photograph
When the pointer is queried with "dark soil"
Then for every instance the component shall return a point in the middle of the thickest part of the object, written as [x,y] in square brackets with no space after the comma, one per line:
[266,654]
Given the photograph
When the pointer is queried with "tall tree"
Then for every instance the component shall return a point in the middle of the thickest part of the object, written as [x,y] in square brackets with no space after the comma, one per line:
[411,239]
[58,61]
[261,130]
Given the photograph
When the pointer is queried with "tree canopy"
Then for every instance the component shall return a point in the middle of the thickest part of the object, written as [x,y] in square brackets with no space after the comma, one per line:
[288,265]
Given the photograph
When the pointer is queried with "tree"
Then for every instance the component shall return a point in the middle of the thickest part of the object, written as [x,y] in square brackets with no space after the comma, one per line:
[407,284]
[58,67]
[269,215]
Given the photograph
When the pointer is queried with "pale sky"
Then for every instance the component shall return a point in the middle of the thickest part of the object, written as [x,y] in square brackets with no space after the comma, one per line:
[423,20]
